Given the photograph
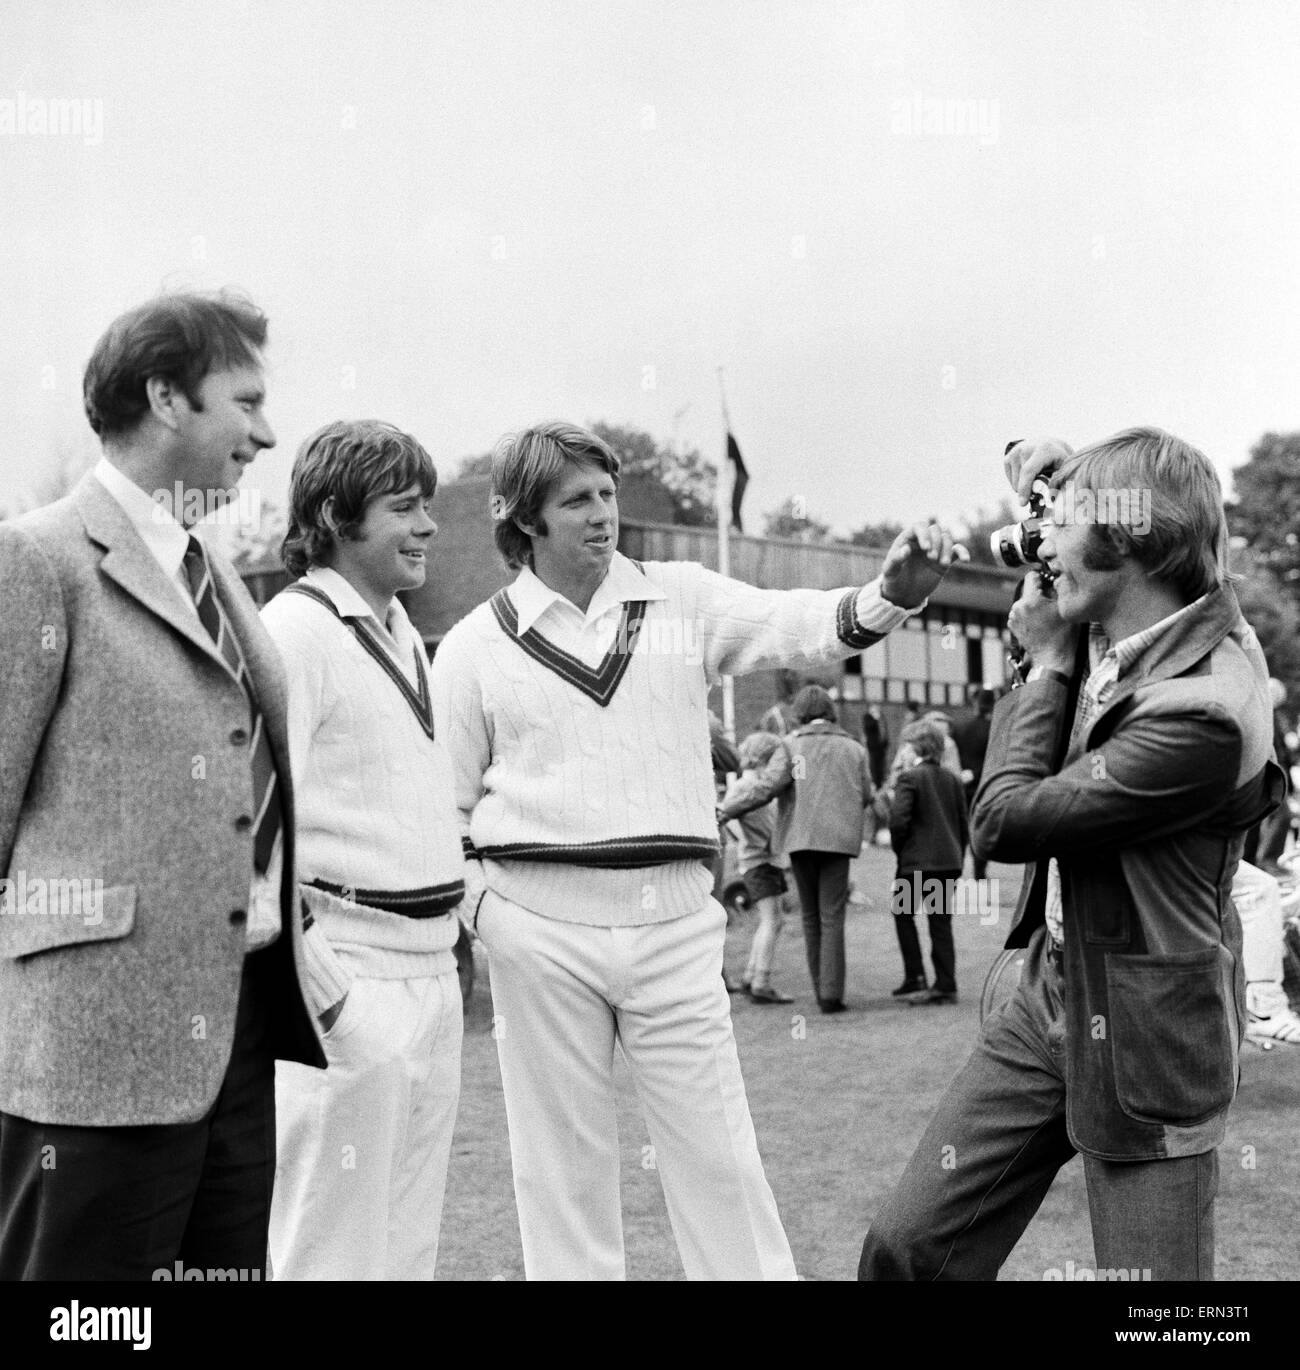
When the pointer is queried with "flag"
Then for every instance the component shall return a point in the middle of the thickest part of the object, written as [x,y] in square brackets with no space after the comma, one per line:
[740,482]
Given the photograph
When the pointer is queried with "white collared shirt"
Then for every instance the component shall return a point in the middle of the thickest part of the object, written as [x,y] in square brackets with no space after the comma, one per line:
[167,542]
[166,539]
[587,634]
[397,633]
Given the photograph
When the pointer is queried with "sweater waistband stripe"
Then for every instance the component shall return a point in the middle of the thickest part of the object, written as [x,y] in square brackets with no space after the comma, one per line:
[614,853]
[428,902]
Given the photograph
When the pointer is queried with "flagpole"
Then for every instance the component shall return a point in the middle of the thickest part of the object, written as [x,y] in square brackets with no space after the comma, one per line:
[725,477]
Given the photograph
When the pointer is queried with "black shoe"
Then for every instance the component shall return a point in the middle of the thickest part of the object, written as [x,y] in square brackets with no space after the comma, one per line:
[937,996]
[765,994]
[832,1005]
[910,986]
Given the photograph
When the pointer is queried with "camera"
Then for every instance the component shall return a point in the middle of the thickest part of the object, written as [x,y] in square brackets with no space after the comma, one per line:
[1018,544]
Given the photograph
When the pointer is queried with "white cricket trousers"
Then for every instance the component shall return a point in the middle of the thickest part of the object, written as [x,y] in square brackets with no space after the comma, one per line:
[362,1147]
[562,995]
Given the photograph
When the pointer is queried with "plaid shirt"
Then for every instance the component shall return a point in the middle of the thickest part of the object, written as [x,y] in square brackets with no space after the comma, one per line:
[1107,666]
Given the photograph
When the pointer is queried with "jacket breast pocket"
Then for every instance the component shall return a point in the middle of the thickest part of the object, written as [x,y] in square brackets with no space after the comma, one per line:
[38,914]
[1170,1040]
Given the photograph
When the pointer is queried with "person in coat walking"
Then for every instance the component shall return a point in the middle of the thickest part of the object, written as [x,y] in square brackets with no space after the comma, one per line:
[822,780]
[928,830]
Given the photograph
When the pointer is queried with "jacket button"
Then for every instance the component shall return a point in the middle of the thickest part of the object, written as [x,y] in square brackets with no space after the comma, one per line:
[238,917]
[239,737]
[243,823]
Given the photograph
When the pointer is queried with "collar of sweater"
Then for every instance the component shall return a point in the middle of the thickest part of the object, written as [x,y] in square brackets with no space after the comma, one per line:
[624,581]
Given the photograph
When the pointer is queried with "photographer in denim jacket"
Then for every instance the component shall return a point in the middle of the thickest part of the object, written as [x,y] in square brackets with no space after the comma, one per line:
[1129,784]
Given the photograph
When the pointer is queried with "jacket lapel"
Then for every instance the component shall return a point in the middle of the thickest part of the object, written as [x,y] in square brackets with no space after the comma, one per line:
[1177,650]
[130,564]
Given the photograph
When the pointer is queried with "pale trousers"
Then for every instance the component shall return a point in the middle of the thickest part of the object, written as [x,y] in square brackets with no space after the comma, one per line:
[1258,898]
[563,994]
[363,1146]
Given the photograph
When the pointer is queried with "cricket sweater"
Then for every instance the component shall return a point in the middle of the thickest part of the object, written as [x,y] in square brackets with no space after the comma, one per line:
[379,854]
[580,741]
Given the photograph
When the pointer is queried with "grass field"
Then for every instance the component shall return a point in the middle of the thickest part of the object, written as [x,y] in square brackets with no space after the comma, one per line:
[839,1111]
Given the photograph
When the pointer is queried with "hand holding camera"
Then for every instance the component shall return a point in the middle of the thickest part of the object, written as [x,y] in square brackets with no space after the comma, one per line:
[1039,635]
[1033,459]
[1045,638]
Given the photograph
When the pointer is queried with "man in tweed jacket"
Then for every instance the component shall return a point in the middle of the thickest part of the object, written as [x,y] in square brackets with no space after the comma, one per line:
[149,956]
[574,706]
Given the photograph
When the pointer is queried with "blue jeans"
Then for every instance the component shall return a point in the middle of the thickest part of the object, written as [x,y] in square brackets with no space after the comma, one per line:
[993,1148]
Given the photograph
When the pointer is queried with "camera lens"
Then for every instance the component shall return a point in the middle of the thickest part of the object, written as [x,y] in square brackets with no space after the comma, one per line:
[1018,544]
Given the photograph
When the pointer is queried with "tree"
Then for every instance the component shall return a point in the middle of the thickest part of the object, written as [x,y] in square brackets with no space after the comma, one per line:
[790,520]
[1266,512]
[986,522]
[474,468]
[1274,616]
[68,463]
[256,546]
[879,535]
[691,482]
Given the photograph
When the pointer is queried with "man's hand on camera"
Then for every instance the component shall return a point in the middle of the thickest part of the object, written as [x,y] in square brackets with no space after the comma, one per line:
[1047,638]
[917,562]
[1029,459]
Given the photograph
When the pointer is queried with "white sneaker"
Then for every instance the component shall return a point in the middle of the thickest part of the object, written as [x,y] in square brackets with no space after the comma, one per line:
[1269,1017]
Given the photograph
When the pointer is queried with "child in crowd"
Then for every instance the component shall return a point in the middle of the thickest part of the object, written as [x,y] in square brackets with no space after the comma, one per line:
[929,832]
[762,868]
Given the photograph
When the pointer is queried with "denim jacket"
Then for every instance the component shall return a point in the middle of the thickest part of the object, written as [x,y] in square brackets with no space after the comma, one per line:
[1147,825]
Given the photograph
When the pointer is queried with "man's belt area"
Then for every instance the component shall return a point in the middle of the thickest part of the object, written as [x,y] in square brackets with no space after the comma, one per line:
[423,903]
[613,853]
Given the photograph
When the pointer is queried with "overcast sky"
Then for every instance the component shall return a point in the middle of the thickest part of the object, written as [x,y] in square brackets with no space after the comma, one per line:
[908,231]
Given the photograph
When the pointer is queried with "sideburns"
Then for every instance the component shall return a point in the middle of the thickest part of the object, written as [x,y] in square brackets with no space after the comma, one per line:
[1099,551]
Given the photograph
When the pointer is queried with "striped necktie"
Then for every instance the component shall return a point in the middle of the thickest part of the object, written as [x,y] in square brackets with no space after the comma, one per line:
[266,795]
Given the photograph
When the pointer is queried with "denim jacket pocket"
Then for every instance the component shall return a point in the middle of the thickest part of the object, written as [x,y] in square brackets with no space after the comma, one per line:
[1170,1040]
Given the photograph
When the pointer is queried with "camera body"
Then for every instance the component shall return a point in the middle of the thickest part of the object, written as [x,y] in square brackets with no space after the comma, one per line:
[1020,544]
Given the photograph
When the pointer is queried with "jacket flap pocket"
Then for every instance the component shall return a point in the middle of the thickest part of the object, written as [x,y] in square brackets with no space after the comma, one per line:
[38,914]
[1170,1035]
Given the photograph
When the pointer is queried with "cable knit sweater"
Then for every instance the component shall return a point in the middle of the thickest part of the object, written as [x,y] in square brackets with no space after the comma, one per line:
[585,786]
[373,788]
